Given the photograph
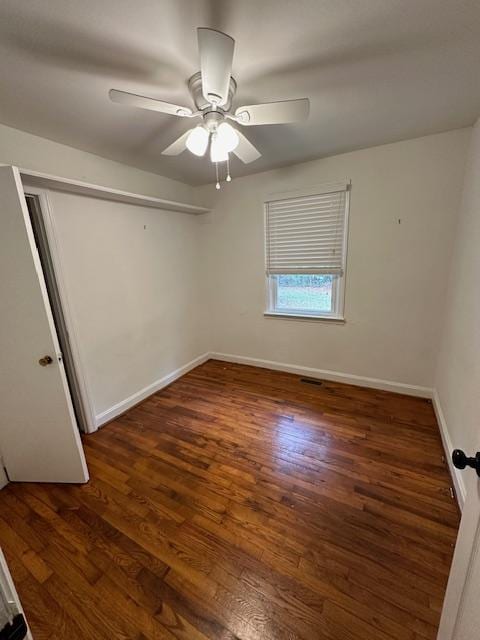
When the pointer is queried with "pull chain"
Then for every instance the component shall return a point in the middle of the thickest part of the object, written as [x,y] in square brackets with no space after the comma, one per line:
[217,186]
[229,177]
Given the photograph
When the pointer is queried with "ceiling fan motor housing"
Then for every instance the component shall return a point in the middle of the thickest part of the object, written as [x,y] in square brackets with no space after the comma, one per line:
[195,88]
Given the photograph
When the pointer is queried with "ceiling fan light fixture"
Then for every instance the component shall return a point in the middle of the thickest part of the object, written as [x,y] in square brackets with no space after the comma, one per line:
[212,89]
[227,137]
[218,152]
[197,141]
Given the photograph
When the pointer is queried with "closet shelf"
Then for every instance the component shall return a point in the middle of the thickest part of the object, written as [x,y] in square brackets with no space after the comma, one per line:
[37,179]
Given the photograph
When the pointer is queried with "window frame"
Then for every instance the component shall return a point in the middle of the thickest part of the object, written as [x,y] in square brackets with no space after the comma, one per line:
[338,288]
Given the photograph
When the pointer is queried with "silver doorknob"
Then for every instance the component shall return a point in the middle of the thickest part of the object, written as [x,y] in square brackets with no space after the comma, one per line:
[43,362]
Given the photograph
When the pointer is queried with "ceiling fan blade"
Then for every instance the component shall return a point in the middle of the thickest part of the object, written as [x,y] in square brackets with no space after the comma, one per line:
[216,57]
[178,146]
[273,112]
[245,149]
[124,97]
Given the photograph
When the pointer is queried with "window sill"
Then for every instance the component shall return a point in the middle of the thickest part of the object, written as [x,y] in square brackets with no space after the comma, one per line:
[306,316]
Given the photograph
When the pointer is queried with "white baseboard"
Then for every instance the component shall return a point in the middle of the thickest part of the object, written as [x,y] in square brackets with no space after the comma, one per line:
[457,478]
[124,405]
[325,374]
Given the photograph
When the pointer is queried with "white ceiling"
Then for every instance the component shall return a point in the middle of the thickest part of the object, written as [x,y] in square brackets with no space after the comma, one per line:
[375,71]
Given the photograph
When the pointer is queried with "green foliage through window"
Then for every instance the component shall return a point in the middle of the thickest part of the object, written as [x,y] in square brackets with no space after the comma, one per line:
[309,293]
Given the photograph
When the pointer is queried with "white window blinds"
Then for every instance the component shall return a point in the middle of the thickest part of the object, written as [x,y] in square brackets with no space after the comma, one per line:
[307,234]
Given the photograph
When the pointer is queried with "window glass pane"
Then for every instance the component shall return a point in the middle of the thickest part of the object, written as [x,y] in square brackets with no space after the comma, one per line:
[308,293]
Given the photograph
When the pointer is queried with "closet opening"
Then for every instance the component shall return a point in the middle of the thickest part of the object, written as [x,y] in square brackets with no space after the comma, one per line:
[34,206]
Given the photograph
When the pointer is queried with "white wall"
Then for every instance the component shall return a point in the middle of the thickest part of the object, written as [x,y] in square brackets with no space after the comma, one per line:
[134,287]
[396,273]
[457,379]
[27,151]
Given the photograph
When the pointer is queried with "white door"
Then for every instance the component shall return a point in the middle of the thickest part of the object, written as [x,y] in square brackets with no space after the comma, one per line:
[461,608]
[39,439]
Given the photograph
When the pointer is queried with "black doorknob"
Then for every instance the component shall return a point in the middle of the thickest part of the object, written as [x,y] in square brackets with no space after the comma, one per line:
[460,461]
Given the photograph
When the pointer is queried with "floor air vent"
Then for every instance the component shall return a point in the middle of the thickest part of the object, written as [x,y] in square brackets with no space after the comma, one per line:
[312,381]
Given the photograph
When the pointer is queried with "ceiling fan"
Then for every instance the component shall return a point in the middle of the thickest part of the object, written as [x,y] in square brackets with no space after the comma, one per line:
[212,90]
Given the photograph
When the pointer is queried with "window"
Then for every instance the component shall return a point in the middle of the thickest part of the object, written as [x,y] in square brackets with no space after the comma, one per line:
[306,253]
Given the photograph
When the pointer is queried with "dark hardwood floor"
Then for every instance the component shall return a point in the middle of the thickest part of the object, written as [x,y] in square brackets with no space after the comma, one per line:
[242,503]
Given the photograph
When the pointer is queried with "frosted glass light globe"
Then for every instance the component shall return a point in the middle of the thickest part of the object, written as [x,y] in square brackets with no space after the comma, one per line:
[218,153]
[197,141]
[227,137]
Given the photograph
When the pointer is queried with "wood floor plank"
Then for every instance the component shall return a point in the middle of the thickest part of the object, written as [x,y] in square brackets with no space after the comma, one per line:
[243,504]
